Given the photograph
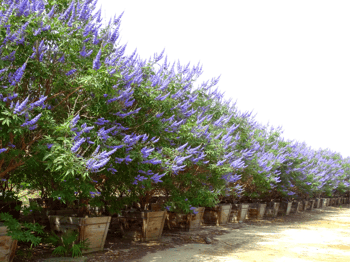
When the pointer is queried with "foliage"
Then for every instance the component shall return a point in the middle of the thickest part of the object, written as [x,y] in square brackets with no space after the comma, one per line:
[22,231]
[65,244]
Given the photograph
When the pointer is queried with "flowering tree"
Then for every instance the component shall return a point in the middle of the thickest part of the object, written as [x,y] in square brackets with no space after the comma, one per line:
[94,123]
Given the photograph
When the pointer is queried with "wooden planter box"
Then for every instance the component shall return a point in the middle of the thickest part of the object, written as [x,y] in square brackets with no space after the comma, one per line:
[217,215]
[311,204]
[92,228]
[8,245]
[238,213]
[272,209]
[296,206]
[330,202]
[184,222]
[317,203]
[142,226]
[256,211]
[339,201]
[305,205]
[285,208]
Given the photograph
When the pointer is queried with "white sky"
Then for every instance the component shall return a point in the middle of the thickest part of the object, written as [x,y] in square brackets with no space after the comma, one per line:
[288,61]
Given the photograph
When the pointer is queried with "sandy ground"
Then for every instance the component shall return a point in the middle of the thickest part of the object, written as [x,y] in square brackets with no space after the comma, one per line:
[319,235]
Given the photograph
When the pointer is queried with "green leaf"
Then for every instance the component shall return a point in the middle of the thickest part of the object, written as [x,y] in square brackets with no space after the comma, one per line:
[59,167]
[46,156]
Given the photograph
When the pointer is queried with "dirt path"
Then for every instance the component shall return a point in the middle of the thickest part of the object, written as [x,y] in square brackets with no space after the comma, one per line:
[319,235]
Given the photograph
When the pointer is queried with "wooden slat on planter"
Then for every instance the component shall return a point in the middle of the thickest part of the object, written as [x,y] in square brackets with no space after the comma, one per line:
[312,204]
[8,245]
[256,210]
[272,209]
[285,208]
[238,213]
[94,229]
[217,215]
[185,222]
[145,226]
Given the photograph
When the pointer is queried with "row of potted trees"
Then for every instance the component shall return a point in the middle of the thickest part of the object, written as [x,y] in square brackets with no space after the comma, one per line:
[100,134]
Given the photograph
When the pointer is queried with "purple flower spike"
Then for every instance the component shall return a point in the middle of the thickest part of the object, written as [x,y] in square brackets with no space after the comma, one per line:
[96,63]
[18,74]
[75,120]
[3,150]
[71,72]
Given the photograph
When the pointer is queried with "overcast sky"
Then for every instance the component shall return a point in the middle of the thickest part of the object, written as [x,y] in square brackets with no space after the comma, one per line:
[288,61]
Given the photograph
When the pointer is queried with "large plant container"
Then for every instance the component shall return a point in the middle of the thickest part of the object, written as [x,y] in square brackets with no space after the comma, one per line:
[8,245]
[331,202]
[296,206]
[9,207]
[256,210]
[142,225]
[317,203]
[343,199]
[184,222]
[272,209]
[92,229]
[339,199]
[217,215]
[305,205]
[285,208]
[311,204]
[238,213]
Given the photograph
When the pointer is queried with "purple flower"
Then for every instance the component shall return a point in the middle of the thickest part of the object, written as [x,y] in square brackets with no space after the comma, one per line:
[18,74]
[139,178]
[77,145]
[146,152]
[20,107]
[193,210]
[156,178]
[3,150]
[39,102]
[161,98]
[49,145]
[159,115]
[61,60]
[96,62]
[33,121]
[99,165]
[50,14]
[75,120]
[71,72]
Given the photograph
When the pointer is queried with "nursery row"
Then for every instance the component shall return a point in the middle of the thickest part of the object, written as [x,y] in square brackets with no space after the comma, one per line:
[149,224]
[90,127]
